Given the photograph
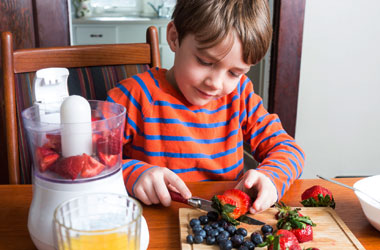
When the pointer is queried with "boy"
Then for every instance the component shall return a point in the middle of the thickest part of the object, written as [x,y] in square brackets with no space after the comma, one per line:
[188,123]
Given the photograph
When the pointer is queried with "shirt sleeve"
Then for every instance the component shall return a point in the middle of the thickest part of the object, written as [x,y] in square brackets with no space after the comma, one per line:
[279,156]
[132,170]
[129,94]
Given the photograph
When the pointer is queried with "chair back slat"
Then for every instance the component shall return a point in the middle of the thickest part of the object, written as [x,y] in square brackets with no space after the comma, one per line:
[29,60]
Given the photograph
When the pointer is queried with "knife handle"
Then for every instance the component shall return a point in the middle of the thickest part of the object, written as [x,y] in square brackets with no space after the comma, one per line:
[177,197]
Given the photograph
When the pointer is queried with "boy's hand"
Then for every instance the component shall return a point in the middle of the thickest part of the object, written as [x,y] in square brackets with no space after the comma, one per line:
[258,185]
[152,187]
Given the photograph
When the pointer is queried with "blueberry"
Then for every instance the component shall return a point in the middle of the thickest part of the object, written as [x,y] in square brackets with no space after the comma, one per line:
[221,237]
[223,223]
[210,240]
[237,240]
[225,245]
[212,216]
[215,224]
[197,228]
[194,222]
[243,248]
[220,229]
[214,232]
[201,233]
[225,233]
[256,238]
[190,239]
[231,229]
[249,244]
[241,231]
[207,227]
[198,239]
[203,219]
[267,229]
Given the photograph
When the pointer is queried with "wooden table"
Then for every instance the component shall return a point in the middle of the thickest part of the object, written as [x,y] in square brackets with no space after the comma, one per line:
[163,222]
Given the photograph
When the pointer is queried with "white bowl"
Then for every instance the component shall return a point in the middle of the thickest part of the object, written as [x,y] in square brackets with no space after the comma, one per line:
[371,209]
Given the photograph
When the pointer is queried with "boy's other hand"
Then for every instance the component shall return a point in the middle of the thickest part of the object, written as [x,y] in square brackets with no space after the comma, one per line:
[152,187]
[258,186]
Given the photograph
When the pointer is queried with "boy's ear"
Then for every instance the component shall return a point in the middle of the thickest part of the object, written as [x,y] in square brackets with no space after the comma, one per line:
[172,36]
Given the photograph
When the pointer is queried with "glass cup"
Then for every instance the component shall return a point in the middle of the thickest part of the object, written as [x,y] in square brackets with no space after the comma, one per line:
[98,221]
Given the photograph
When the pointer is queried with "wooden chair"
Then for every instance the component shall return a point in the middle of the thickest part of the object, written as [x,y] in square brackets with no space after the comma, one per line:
[86,64]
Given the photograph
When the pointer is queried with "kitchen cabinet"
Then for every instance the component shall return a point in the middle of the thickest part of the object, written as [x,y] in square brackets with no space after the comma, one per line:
[110,30]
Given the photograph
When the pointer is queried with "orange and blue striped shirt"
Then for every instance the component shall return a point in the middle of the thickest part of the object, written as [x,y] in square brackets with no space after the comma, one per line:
[201,143]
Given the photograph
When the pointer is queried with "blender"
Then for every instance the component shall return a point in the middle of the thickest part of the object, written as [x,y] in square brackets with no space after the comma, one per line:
[76,149]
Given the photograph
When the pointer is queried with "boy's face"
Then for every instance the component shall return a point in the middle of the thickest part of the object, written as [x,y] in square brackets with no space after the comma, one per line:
[203,75]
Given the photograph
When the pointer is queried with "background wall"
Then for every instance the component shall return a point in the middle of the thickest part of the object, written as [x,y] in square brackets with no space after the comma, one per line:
[338,119]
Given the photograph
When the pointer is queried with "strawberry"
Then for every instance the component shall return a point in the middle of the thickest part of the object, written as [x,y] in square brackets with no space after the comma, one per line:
[303,234]
[108,160]
[282,240]
[94,119]
[225,200]
[231,205]
[317,196]
[46,158]
[242,199]
[95,138]
[110,144]
[70,167]
[226,208]
[91,167]
[287,241]
[294,221]
[54,142]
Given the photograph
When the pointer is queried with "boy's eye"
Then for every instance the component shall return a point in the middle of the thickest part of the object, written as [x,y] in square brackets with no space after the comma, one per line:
[200,61]
[234,74]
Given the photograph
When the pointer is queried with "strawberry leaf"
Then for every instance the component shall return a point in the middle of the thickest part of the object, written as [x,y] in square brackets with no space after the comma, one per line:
[326,201]
[276,243]
[216,203]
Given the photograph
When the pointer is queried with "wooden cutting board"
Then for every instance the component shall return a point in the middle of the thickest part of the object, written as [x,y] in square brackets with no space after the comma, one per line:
[330,232]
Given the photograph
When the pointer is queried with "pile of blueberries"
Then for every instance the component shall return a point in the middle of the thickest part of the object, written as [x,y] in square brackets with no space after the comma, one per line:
[213,231]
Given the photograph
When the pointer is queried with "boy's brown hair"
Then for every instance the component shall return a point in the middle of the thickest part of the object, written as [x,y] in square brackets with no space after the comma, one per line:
[213,20]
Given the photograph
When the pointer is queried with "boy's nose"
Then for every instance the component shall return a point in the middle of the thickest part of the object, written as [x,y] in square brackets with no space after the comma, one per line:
[214,81]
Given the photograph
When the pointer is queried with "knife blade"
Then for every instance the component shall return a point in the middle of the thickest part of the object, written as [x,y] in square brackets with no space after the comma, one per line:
[205,205]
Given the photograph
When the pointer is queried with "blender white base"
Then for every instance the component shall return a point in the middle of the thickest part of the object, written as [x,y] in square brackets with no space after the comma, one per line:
[48,195]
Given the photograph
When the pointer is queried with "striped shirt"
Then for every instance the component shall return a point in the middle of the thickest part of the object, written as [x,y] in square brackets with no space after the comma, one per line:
[201,143]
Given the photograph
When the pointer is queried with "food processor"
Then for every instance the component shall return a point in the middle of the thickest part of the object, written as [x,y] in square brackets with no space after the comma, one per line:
[76,149]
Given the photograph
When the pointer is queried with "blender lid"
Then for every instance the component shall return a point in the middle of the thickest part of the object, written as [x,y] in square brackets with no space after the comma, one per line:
[50,85]
[49,91]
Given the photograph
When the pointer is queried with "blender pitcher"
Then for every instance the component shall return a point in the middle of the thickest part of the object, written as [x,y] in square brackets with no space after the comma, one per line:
[76,149]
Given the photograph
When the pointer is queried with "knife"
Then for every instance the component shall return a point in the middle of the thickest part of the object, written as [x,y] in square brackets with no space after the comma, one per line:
[205,205]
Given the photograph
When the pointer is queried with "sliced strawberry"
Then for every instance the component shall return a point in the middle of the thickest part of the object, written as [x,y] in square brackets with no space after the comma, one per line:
[110,144]
[70,167]
[292,220]
[95,138]
[317,196]
[108,160]
[284,240]
[91,167]
[303,234]
[54,142]
[243,201]
[46,158]
[93,119]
